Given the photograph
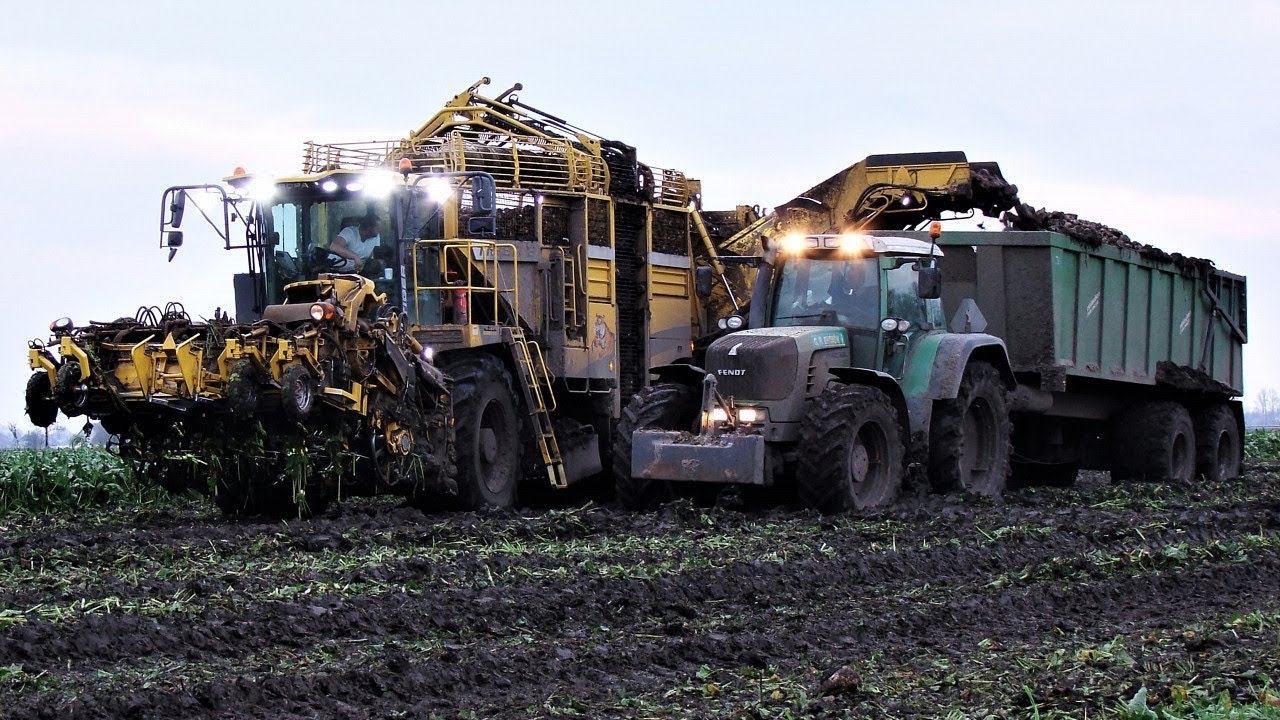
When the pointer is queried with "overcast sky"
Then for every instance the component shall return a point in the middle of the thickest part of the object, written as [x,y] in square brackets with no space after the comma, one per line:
[1159,118]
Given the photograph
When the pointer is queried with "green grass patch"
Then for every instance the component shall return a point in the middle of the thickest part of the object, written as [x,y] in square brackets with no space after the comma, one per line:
[53,480]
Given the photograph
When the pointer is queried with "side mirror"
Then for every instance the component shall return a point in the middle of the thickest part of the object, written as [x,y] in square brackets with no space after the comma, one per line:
[173,239]
[482,225]
[702,281]
[177,206]
[484,196]
[929,283]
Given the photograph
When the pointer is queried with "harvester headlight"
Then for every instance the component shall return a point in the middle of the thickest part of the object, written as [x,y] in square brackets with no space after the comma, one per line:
[791,243]
[889,324]
[262,191]
[62,325]
[355,186]
[734,322]
[439,189]
[748,415]
[904,325]
[329,186]
[322,311]
[428,353]
[379,184]
[719,415]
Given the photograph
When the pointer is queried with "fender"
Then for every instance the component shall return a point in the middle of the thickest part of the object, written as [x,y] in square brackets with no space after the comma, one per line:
[937,364]
[884,382]
[682,373]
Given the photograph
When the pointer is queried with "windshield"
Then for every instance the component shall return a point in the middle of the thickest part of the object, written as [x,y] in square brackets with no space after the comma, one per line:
[829,292]
[309,237]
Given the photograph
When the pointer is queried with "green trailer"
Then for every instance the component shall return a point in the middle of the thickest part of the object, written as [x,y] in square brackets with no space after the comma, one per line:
[1114,349]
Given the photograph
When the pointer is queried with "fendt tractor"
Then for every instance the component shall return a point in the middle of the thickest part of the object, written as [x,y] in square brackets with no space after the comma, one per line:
[437,317]
[969,356]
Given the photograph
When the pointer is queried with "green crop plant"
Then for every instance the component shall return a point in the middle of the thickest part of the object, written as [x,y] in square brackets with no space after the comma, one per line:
[67,479]
[1262,445]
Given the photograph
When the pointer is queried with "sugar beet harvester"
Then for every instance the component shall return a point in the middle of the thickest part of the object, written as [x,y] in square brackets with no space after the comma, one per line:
[518,277]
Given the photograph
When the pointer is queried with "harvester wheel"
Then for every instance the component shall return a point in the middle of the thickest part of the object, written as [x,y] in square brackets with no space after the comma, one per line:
[663,406]
[1217,444]
[1154,441]
[41,408]
[242,387]
[969,436]
[850,450]
[488,432]
[66,389]
[297,392]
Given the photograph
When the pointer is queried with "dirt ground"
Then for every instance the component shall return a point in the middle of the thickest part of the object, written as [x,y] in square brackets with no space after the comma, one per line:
[1050,602]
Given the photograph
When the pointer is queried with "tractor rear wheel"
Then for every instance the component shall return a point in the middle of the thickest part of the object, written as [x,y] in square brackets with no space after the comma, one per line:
[851,450]
[663,406]
[41,408]
[1217,444]
[1154,441]
[488,429]
[969,436]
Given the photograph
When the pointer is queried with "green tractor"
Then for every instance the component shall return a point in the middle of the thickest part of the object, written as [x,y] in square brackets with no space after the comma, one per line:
[846,376]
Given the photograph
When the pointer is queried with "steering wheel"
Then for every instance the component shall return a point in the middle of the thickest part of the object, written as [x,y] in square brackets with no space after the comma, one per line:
[327,260]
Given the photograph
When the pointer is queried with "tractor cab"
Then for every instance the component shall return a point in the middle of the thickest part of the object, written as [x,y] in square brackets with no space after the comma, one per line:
[866,290]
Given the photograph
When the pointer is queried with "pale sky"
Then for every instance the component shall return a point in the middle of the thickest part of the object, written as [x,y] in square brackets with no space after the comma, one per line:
[1158,118]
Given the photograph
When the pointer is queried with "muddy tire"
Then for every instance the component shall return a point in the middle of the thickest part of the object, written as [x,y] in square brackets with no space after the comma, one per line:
[664,406]
[1154,441]
[1217,444]
[488,432]
[851,451]
[41,409]
[298,390]
[243,388]
[66,389]
[969,436]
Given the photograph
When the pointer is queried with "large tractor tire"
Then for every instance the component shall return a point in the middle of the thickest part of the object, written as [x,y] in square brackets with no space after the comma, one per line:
[488,432]
[41,408]
[1154,441]
[1217,444]
[969,436]
[851,451]
[664,406]
[298,391]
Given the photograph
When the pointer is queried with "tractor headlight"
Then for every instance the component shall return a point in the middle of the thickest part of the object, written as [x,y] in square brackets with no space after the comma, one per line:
[719,415]
[748,415]
[428,353]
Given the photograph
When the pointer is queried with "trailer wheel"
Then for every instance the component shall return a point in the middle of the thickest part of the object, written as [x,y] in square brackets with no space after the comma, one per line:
[297,392]
[1154,441]
[488,432]
[41,408]
[663,406]
[969,436]
[1217,444]
[850,451]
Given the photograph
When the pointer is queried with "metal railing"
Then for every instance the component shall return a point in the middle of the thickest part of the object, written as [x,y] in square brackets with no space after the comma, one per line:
[481,261]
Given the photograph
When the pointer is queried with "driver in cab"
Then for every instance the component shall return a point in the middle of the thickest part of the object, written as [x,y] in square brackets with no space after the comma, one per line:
[356,244]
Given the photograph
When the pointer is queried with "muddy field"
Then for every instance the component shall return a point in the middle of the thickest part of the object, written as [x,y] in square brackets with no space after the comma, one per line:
[1052,602]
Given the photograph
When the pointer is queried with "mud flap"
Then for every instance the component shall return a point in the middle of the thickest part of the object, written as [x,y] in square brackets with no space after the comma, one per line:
[678,456]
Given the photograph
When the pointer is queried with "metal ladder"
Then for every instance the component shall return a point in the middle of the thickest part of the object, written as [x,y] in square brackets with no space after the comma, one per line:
[535,384]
